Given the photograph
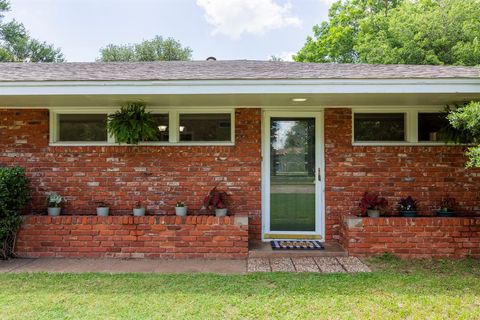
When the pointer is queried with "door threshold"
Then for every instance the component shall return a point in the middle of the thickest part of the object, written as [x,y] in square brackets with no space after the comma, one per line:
[291,236]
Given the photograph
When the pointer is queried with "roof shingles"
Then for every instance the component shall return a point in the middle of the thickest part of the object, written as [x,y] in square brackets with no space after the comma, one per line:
[222,70]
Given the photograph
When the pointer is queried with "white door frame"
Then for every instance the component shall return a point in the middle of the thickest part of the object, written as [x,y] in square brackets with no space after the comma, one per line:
[319,171]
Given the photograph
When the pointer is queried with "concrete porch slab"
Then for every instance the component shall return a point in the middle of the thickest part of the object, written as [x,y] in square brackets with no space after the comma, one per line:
[260,249]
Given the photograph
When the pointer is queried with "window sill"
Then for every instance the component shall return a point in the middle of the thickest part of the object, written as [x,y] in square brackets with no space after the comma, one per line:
[406,144]
[145,144]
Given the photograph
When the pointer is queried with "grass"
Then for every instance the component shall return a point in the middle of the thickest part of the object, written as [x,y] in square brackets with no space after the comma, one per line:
[425,289]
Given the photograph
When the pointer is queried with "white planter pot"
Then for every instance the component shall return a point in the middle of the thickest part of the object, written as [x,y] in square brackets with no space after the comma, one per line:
[221,212]
[373,213]
[103,211]
[181,211]
[139,212]
[54,211]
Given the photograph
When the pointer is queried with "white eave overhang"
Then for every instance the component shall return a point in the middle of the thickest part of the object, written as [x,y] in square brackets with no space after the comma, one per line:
[216,87]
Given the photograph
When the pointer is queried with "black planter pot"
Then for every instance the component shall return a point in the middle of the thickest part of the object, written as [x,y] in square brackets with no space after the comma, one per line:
[445,214]
[409,214]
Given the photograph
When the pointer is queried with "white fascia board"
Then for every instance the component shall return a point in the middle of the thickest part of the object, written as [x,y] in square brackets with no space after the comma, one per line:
[314,86]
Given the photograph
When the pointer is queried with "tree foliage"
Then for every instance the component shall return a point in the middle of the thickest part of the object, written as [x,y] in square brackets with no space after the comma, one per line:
[16,45]
[466,121]
[157,49]
[439,32]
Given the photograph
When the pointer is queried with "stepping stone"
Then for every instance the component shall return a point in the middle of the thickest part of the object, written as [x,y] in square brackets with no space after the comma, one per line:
[305,265]
[258,265]
[282,265]
[329,265]
[353,264]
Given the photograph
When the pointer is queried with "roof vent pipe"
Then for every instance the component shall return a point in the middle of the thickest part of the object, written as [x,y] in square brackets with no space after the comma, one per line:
[211,59]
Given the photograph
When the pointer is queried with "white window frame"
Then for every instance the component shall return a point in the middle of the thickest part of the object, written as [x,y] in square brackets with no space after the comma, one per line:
[411,125]
[173,133]
[232,127]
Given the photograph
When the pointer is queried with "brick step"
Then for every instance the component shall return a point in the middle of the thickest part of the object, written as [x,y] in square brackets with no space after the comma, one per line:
[259,249]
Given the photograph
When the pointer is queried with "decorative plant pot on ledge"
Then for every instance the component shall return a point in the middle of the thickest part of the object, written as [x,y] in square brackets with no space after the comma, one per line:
[445,214]
[103,211]
[54,211]
[373,213]
[139,212]
[221,212]
[409,214]
[181,211]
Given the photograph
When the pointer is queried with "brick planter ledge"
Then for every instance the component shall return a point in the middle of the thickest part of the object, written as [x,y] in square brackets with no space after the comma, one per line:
[166,237]
[422,237]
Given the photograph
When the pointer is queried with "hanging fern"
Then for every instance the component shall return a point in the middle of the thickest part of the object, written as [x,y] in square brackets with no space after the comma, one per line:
[132,124]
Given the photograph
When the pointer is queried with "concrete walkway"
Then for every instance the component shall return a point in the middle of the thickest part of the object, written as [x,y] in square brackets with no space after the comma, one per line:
[304,264]
[307,264]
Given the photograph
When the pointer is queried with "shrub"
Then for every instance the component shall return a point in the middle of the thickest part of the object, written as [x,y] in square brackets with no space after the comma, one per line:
[14,196]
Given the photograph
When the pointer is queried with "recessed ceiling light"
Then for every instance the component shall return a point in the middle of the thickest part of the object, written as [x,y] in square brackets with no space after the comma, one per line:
[299,99]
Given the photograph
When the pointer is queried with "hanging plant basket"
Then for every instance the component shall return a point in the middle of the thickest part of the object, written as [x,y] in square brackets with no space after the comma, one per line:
[132,124]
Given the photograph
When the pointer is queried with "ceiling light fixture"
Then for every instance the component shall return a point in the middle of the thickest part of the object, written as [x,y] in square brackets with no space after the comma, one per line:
[162,128]
[299,99]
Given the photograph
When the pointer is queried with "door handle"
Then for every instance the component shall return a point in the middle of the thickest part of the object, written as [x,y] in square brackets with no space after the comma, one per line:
[319,174]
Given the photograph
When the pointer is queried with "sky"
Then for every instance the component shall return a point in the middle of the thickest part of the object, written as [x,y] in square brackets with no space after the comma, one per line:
[225,29]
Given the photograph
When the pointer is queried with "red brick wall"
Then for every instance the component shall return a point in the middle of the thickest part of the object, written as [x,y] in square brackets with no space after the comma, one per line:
[157,176]
[412,237]
[134,237]
[426,173]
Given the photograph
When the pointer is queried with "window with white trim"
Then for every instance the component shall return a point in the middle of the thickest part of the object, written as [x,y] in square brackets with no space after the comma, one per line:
[430,126]
[398,126]
[205,127]
[192,126]
[379,127]
[82,127]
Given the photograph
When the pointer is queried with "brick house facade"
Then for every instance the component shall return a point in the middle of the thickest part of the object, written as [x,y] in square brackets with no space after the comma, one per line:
[160,175]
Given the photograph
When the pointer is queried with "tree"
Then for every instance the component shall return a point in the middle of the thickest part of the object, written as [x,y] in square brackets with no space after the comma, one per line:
[466,122]
[157,49]
[440,32]
[16,45]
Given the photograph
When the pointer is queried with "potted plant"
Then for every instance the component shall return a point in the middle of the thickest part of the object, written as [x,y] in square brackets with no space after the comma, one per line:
[371,204]
[217,200]
[102,209]
[54,204]
[180,209]
[139,210]
[408,207]
[132,124]
[447,207]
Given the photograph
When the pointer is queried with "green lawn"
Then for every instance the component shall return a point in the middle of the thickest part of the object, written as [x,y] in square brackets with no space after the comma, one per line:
[397,289]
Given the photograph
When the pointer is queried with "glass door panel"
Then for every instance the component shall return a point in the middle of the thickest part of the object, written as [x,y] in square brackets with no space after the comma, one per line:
[292,174]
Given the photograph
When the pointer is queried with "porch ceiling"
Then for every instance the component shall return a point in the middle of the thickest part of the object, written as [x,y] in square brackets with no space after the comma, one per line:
[240,100]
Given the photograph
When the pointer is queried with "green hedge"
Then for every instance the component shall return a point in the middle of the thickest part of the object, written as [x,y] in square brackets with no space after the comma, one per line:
[14,196]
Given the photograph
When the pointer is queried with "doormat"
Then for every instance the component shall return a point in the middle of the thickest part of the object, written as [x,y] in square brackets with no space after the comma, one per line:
[296,245]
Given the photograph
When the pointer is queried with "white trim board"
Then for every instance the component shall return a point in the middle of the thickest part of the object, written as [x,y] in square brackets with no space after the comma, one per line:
[312,86]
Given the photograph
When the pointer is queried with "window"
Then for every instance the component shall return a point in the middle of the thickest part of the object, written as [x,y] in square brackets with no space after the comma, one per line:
[174,127]
[379,127]
[163,126]
[82,127]
[430,126]
[205,127]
